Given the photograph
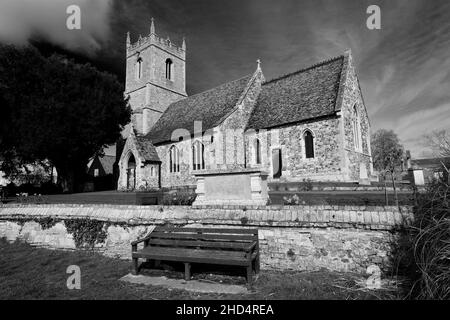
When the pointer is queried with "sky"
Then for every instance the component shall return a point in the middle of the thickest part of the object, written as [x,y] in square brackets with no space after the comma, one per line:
[404,68]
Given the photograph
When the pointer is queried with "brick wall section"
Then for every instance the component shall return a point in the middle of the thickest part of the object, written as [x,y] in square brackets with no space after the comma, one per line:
[340,238]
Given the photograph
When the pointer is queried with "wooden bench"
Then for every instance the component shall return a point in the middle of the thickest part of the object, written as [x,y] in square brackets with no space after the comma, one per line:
[233,247]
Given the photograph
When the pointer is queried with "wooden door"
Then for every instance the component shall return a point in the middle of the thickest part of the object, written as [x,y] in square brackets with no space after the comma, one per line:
[277,163]
[131,179]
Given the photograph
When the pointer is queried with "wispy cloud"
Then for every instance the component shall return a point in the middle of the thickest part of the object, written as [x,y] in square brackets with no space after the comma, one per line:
[404,68]
[414,127]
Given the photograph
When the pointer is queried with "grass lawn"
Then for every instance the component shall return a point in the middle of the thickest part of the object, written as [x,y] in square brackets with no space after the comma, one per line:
[354,198]
[27,272]
[342,198]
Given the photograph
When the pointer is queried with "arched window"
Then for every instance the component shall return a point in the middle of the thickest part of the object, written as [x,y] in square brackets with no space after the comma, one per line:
[139,68]
[169,65]
[257,151]
[356,129]
[198,156]
[309,144]
[174,161]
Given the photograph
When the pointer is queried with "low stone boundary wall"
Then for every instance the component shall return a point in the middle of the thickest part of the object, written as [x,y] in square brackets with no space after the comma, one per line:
[340,238]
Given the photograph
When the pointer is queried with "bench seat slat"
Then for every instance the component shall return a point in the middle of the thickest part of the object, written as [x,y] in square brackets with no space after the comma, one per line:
[200,243]
[209,230]
[176,235]
[193,255]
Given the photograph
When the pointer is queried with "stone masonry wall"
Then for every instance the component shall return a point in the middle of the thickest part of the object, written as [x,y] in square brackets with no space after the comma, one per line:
[352,97]
[224,151]
[186,175]
[147,174]
[232,154]
[326,164]
[340,238]
[153,91]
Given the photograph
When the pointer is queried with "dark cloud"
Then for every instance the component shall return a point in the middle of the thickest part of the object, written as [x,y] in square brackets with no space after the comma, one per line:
[403,68]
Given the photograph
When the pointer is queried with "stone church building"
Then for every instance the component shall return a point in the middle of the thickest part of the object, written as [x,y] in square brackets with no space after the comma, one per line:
[309,124]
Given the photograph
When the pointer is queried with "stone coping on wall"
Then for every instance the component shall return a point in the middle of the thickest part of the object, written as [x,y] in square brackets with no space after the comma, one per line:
[230,171]
[347,217]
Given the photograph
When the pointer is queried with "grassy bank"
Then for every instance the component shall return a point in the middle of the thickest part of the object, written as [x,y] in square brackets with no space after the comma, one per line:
[34,273]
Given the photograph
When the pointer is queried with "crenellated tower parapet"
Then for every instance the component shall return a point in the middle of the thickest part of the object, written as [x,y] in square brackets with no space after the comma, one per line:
[153,39]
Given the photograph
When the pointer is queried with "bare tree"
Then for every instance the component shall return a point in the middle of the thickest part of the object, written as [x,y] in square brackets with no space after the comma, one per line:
[439,141]
[387,153]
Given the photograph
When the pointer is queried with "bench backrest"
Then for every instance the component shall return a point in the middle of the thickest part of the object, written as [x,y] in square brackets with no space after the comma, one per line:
[204,238]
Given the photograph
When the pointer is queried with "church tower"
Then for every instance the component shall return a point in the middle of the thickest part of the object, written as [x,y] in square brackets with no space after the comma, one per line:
[155,77]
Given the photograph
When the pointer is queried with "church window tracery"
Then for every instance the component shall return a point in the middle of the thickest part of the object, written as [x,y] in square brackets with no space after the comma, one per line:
[198,156]
[174,159]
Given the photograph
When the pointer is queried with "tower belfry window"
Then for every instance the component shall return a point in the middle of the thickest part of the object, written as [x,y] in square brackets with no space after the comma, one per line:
[139,68]
[169,65]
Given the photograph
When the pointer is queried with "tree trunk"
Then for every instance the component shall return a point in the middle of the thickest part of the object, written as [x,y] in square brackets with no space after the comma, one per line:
[395,189]
[385,192]
[66,178]
[71,178]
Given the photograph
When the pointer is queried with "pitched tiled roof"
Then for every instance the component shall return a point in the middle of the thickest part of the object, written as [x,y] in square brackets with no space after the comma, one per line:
[107,163]
[209,107]
[146,149]
[430,162]
[303,95]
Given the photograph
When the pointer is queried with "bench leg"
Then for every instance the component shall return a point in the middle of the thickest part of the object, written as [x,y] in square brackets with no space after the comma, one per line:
[187,271]
[249,275]
[257,264]
[135,266]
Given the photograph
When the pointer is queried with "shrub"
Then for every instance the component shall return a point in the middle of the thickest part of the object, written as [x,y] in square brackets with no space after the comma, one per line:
[86,232]
[424,250]
[308,185]
[50,188]
[182,197]
[293,200]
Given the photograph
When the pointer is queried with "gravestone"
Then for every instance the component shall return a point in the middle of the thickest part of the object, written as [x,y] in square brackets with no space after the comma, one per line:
[363,175]
[236,187]
[417,176]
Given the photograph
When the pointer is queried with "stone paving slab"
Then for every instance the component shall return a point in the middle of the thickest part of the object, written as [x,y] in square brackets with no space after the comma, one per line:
[192,285]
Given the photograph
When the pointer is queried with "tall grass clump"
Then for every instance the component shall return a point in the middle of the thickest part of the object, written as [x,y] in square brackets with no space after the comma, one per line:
[429,237]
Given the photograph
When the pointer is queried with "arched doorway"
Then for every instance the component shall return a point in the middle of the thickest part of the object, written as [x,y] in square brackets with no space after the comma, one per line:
[131,173]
